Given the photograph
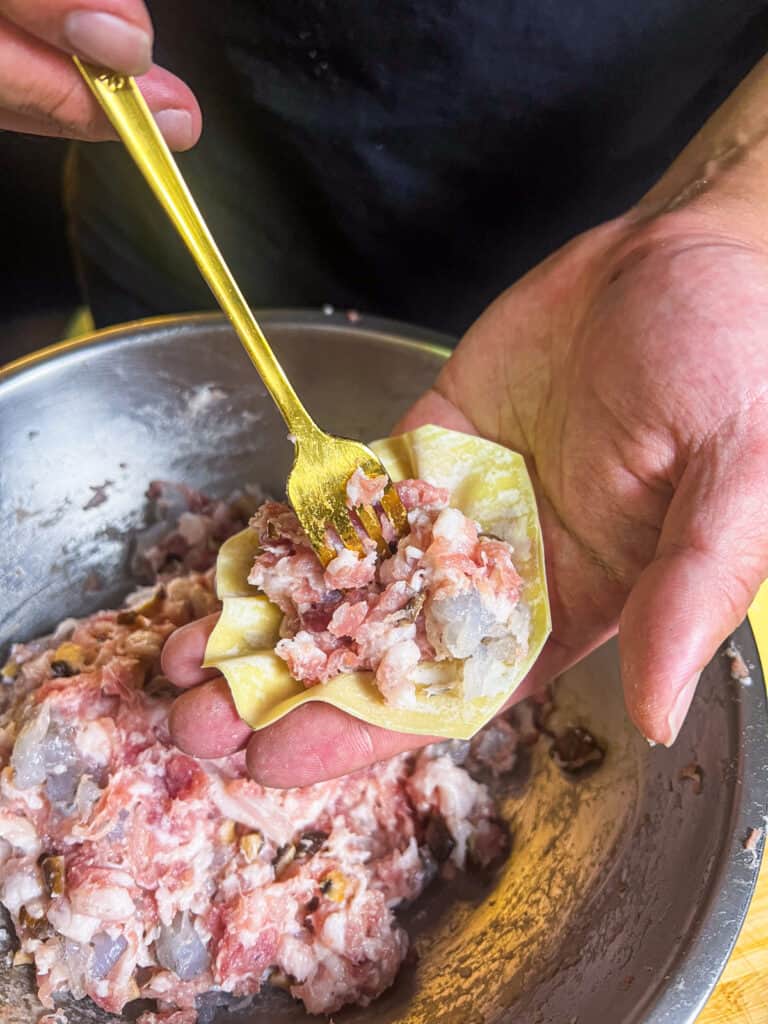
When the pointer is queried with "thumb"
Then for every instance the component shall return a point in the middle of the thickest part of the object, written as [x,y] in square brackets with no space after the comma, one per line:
[711,558]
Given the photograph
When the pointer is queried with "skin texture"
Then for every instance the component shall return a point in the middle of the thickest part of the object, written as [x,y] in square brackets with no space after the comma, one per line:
[41,91]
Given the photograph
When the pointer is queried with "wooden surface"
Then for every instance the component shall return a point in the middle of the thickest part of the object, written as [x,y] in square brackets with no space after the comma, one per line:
[741,996]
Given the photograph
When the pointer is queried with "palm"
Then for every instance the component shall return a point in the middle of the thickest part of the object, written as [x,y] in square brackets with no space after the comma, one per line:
[622,367]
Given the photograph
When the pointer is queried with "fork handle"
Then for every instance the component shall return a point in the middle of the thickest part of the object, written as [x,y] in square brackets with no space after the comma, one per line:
[122,102]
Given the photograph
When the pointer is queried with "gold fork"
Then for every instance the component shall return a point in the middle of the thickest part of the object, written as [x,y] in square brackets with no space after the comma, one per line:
[322,463]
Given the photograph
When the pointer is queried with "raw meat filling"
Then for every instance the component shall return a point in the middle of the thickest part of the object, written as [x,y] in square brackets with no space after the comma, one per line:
[447,594]
[133,871]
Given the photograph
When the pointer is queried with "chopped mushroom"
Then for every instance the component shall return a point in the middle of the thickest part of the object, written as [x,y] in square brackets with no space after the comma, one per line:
[310,842]
[575,750]
[334,886]
[694,774]
[53,875]
[284,856]
[251,845]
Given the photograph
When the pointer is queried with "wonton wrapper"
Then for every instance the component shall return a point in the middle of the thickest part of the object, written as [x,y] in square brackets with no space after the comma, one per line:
[488,483]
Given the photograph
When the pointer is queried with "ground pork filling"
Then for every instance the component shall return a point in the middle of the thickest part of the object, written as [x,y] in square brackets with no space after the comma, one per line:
[447,594]
[133,871]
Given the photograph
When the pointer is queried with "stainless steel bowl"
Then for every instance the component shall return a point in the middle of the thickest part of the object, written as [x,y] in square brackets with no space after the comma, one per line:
[624,892]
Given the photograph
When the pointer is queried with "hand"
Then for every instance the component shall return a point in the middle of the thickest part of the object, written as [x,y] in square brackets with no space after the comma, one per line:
[41,91]
[631,368]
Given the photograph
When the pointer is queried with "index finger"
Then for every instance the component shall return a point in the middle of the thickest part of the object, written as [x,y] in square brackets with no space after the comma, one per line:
[184,651]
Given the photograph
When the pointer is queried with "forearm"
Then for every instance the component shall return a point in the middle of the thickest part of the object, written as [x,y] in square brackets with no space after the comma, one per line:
[724,168]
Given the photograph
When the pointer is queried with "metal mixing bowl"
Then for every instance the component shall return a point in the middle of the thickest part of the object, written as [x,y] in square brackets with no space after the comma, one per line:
[624,892]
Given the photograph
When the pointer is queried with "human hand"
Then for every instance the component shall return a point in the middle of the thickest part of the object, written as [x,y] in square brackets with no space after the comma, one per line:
[42,92]
[631,369]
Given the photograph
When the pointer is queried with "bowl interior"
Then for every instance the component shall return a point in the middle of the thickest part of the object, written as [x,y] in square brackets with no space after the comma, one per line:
[624,891]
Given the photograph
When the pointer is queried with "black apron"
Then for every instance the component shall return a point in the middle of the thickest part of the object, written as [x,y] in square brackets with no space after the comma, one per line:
[407,158]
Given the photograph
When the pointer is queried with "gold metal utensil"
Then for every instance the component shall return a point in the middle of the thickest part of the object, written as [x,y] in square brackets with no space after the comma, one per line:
[323,463]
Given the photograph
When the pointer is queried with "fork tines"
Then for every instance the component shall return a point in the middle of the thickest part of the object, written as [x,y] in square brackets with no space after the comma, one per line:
[383,527]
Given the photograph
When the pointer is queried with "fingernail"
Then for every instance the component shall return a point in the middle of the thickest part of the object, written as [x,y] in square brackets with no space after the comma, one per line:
[176,126]
[109,41]
[679,709]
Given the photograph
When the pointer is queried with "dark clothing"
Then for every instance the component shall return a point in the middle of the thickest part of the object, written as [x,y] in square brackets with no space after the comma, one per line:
[408,158]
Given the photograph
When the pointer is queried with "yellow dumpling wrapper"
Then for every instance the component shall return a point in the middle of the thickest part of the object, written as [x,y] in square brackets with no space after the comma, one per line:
[488,483]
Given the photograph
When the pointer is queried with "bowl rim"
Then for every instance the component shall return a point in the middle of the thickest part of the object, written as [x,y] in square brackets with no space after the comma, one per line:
[696,969]
[397,332]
